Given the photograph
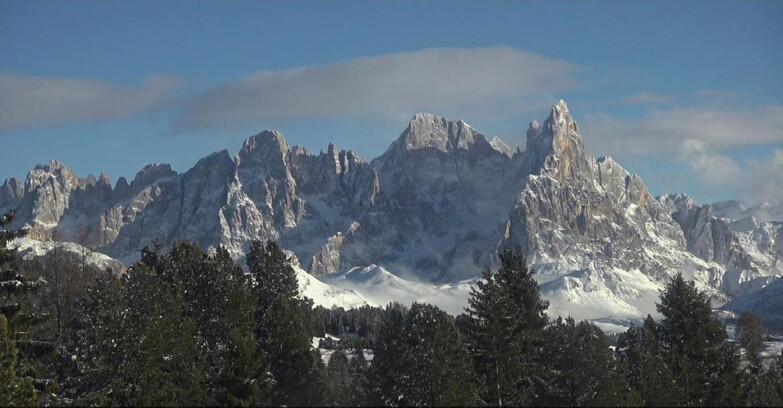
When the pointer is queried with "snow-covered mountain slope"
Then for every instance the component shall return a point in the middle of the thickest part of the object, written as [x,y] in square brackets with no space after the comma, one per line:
[30,249]
[326,295]
[427,215]
[767,303]
[381,287]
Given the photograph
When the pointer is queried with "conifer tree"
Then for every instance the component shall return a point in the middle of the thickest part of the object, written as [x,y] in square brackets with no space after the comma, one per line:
[19,308]
[95,331]
[337,379]
[649,372]
[359,386]
[283,323]
[218,297]
[751,334]
[15,388]
[580,368]
[420,361]
[503,328]
[692,338]
[135,344]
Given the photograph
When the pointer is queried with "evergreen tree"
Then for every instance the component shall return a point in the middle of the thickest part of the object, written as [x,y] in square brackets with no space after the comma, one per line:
[770,388]
[649,372]
[359,386]
[137,346]
[692,338]
[218,297]
[751,334]
[503,328]
[420,361]
[19,299]
[337,379]
[283,323]
[581,369]
[15,388]
[758,388]
[96,330]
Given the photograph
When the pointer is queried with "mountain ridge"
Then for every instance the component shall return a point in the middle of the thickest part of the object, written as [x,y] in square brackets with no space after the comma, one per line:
[435,207]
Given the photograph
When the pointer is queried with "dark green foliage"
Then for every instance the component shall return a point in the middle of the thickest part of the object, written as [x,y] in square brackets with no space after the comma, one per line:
[15,389]
[187,328]
[273,274]
[420,360]
[218,296]
[751,334]
[503,328]
[22,315]
[139,347]
[685,359]
[337,379]
[649,372]
[16,289]
[283,327]
[692,338]
[581,369]
[359,386]
[179,334]
[355,327]
[758,388]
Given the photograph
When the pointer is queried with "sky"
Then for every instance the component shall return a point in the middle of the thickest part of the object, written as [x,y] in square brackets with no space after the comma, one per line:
[689,95]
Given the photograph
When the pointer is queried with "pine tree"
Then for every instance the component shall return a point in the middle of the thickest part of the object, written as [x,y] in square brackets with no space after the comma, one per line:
[751,334]
[96,330]
[692,338]
[161,362]
[15,388]
[770,390]
[359,386]
[649,372]
[283,323]
[135,344]
[503,328]
[217,295]
[19,307]
[581,369]
[420,361]
[337,379]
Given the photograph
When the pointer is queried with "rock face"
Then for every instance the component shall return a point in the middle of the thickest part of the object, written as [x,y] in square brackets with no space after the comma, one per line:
[434,208]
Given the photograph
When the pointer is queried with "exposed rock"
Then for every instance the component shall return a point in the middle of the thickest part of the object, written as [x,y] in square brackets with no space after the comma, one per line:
[435,207]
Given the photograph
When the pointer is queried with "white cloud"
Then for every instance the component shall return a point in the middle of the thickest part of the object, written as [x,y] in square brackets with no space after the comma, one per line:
[700,138]
[390,86]
[757,181]
[32,101]
[664,131]
[647,98]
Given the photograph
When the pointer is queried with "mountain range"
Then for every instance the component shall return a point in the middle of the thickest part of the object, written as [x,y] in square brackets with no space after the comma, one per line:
[422,220]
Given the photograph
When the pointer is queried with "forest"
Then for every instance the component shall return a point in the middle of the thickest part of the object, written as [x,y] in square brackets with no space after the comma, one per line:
[189,327]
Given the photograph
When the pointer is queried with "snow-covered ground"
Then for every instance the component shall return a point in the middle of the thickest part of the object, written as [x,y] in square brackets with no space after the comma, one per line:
[327,354]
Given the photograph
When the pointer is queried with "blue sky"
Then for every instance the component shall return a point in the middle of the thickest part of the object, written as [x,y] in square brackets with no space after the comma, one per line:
[686,94]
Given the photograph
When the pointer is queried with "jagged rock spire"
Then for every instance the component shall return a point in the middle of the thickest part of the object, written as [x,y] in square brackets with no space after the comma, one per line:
[556,146]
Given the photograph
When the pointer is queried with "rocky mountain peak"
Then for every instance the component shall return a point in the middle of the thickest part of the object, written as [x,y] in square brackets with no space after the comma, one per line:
[429,131]
[150,174]
[264,155]
[104,179]
[556,147]
[264,143]
[219,159]
[42,173]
